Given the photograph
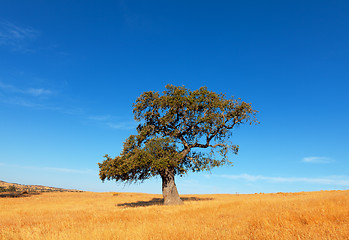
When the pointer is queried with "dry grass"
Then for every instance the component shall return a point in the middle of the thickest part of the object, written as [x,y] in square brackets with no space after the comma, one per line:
[315,215]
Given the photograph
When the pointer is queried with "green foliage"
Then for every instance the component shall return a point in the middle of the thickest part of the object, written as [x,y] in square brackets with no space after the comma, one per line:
[174,128]
[140,161]
[11,188]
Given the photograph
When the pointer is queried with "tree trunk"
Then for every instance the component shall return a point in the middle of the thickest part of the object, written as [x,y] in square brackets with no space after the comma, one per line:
[169,189]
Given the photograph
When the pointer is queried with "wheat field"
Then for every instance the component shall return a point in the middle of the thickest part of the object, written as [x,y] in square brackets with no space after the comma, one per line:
[89,215]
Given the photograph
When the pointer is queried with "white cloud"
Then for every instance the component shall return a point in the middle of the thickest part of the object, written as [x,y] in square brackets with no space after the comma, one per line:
[99,117]
[68,170]
[52,169]
[12,31]
[113,122]
[317,160]
[31,97]
[21,102]
[30,91]
[38,91]
[7,87]
[330,180]
[123,125]
[16,36]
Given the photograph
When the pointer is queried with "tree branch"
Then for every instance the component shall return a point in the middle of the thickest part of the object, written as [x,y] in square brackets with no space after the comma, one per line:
[184,153]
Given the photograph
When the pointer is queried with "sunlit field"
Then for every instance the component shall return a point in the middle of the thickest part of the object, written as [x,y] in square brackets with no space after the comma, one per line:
[87,215]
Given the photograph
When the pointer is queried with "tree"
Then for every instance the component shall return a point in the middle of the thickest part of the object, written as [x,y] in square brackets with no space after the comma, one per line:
[174,130]
[11,188]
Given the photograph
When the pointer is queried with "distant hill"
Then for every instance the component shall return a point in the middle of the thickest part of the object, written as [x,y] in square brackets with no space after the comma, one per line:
[20,188]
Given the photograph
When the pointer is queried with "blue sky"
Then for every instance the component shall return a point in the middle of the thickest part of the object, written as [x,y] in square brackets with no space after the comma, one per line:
[71,70]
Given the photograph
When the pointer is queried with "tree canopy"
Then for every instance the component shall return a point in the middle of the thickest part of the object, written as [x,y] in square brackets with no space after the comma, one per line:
[173,130]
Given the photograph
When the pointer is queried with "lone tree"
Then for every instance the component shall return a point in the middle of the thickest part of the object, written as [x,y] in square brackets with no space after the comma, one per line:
[173,128]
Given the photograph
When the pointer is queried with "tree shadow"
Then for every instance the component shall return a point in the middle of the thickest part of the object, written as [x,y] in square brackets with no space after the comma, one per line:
[158,201]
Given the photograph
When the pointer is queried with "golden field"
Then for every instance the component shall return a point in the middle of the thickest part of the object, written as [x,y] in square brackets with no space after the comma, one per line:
[88,215]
